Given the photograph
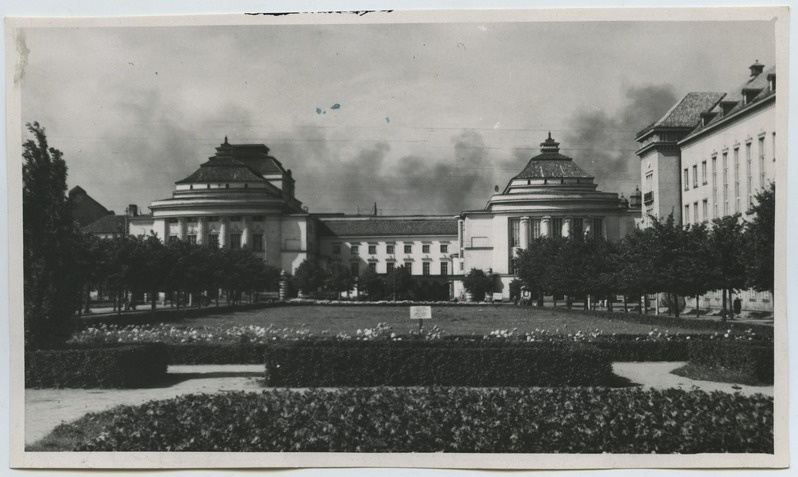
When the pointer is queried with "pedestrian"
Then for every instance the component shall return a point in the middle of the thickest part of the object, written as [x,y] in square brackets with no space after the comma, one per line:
[738,306]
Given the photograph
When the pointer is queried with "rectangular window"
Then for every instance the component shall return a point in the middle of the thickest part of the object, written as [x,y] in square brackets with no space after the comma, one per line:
[354,267]
[192,239]
[191,220]
[173,238]
[515,233]
[172,220]
[535,225]
[336,249]
[235,241]
[444,269]
[737,177]
[408,248]
[686,218]
[556,227]
[235,218]
[649,182]
[425,248]
[372,249]
[686,179]
[354,249]
[695,177]
[597,226]
[576,227]
[409,267]
[425,269]
[257,218]
[389,267]
[696,219]
[257,243]
[725,183]
[213,240]
[704,172]
[373,266]
[761,162]
[444,248]
[705,209]
[748,173]
[389,249]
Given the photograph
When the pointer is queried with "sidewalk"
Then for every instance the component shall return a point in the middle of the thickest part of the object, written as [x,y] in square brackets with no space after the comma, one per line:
[47,408]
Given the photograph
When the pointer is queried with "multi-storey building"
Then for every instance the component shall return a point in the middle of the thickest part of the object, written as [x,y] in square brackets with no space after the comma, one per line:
[709,155]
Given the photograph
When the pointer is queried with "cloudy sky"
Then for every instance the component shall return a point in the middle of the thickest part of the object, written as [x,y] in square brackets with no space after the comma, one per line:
[419,118]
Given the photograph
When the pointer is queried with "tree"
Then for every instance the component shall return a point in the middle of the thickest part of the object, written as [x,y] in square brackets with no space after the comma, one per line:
[52,294]
[725,243]
[478,283]
[309,276]
[760,236]
[400,282]
[339,279]
[371,283]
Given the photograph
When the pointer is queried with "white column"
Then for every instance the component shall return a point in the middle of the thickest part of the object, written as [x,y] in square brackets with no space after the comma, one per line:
[201,230]
[523,236]
[223,232]
[544,226]
[566,227]
[245,232]
[181,228]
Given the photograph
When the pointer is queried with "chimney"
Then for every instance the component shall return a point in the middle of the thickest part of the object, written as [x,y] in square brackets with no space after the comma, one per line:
[132,210]
[756,68]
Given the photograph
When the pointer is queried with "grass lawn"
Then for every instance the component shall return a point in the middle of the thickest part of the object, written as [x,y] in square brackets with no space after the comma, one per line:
[453,320]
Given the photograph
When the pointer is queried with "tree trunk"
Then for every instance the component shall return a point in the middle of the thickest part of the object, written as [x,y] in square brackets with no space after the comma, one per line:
[723,310]
[697,309]
[676,305]
[641,303]
[153,299]
[625,305]
[88,298]
[609,303]
[177,295]
[586,305]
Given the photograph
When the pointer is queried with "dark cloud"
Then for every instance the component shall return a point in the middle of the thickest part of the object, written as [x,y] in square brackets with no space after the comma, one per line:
[461,178]
[604,144]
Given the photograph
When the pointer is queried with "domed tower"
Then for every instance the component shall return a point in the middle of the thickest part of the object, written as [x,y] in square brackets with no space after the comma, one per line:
[636,199]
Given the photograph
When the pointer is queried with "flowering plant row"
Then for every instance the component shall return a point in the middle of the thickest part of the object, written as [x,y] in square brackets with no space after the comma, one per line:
[165,333]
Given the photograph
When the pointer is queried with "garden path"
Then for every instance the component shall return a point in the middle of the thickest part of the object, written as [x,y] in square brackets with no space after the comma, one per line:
[46,408]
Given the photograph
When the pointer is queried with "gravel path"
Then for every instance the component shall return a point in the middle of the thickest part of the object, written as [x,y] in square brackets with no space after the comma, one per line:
[46,408]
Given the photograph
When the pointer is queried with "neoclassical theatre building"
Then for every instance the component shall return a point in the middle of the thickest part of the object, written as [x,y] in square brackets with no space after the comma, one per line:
[243,197]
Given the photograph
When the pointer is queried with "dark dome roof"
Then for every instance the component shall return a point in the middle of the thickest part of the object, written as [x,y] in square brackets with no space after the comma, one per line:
[551,164]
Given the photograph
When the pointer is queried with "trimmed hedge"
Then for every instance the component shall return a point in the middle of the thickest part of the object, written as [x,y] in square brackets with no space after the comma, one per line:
[497,420]
[443,363]
[118,366]
[750,358]
[211,353]
[627,351]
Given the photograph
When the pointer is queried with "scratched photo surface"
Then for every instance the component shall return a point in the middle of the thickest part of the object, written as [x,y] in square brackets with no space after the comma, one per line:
[373,241]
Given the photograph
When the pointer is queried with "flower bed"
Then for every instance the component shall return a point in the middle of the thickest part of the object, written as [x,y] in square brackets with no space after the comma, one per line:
[562,420]
[126,366]
[313,363]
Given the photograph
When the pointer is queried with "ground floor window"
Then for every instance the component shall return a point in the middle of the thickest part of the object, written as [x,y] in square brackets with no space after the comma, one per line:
[257,242]
[425,269]
[373,266]
[213,240]
[389,267]
[235,241]
[444,268]
[192,239]
[409,267]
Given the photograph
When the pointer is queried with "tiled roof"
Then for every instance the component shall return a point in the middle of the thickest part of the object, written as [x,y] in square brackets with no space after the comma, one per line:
[85,209]
[110,224]
[387,226]
[544,166]
[223,167]
[257,158]
[756,85]
[551,164]
[687,112]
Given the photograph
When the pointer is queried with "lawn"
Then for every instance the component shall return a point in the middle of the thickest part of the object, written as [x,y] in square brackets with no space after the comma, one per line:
[476,320]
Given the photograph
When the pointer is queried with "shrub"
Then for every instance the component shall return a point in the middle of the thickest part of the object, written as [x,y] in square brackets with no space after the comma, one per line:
[120,366]
[215,353]
[434,362]
[749,358]
[497,420]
